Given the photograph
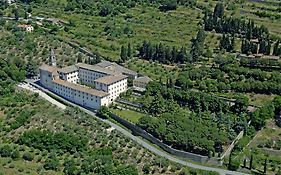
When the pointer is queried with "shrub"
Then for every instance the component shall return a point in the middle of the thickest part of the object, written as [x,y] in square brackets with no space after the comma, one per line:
[27,156]
[5,151]
[146,168]
[51,164]
[103,112]
[15,154]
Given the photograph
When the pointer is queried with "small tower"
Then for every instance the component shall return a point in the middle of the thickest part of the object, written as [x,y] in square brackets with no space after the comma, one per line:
[52,58]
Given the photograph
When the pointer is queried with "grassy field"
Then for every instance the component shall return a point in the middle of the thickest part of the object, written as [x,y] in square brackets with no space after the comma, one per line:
[129,115]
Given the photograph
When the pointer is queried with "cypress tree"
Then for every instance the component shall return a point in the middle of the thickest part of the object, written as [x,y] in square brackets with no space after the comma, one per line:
[123,54]
[276,48]
[245,163]
[251,162]
[219,10]
[129,51]
[265,166]
[268,48]
[263,46]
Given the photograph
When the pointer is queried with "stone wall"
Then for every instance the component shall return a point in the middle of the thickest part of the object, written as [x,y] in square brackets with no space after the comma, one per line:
[187,155]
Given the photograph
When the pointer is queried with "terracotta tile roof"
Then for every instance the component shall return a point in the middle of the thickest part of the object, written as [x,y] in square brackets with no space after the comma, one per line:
[144,79]
[110,79]
[24,25]
[115,67]
[68,69]
[81,88]
[48,68]
[97,69]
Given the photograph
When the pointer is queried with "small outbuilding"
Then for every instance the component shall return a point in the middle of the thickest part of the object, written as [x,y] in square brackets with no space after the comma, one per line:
[140,83]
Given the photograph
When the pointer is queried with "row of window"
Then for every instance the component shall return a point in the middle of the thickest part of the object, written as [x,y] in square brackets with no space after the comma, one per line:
[70,90]
[92,73]
[69,96]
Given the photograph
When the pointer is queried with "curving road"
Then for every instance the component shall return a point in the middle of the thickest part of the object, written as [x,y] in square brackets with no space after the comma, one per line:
[128,134]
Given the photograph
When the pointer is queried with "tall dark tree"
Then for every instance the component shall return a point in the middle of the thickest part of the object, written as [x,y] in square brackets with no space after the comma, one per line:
[79,58]
[277,48]
[123,54]
[219,10]
[263,46]
[265,166]
[197,45]
[251,162]
[16,13]
[129,51]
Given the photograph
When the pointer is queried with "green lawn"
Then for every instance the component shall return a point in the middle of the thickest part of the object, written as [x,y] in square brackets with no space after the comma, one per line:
[131,116]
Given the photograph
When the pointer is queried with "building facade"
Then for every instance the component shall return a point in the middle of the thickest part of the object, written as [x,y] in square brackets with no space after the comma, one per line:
[69,74]
[114,85]
[87,85]
[141,83]
[27,28]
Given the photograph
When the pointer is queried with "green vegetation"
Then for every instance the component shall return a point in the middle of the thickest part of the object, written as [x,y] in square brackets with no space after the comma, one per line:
[177,113]
[188,47]
[129,115]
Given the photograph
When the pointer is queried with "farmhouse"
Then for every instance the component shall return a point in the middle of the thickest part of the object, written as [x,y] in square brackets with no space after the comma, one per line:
[27,28]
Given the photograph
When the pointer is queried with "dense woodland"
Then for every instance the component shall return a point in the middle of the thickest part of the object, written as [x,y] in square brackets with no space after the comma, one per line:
[174,111]
[229,77]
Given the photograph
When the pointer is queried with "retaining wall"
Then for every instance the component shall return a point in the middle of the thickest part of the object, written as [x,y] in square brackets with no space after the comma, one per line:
[187,155]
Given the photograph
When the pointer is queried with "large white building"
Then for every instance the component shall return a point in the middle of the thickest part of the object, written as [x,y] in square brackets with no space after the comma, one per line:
[91,86]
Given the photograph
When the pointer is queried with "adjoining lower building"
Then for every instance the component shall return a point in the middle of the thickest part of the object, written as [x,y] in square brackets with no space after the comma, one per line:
[69,73]
[140,83]
[117,68]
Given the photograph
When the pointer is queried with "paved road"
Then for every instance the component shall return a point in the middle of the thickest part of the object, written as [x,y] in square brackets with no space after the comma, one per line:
[42,94]
[141,141]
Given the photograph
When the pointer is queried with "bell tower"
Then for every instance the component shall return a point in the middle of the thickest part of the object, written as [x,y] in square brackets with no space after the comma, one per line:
[52,58]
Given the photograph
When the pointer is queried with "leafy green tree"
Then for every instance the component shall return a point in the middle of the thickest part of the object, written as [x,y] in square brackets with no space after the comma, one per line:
[277,105]
[241,104]
[251,162]
[16,13]
[5,151]
[27,156]
[51,164]
[106,9]
[168,5]
[103,112]
[197,45]
[146,168]
[15,154]
[31,68]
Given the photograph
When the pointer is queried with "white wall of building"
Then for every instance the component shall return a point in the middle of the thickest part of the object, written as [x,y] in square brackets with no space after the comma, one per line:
[81,98]
[88,76]
[114,89]
[71,77]
[46,79]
